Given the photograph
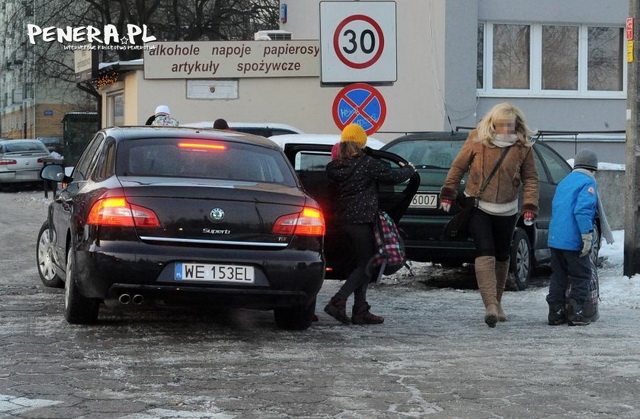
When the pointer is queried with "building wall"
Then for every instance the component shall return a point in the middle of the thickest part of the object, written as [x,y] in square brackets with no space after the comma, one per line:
[436,67]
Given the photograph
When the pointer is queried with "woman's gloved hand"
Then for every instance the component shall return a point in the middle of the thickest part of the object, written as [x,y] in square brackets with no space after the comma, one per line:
[528,216]
[445,204]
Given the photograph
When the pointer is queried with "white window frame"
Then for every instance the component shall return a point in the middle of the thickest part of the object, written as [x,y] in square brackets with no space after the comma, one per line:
[535,71]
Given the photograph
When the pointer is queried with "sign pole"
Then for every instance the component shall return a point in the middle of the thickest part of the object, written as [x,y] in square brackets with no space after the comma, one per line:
[631,263]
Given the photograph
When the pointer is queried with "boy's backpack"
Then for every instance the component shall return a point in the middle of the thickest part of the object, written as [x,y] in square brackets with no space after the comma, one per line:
[390,255]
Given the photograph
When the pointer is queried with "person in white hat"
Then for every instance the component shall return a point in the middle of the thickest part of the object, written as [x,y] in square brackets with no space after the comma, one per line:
[163,117]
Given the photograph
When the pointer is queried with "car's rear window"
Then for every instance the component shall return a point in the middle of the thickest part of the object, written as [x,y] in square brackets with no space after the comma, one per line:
[208,159]
[23,146]
[428,154]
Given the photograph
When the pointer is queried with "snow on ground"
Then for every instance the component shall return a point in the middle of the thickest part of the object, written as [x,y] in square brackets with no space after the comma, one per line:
[615,288]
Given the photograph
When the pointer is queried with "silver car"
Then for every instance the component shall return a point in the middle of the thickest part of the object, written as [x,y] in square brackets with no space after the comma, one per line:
[21,161]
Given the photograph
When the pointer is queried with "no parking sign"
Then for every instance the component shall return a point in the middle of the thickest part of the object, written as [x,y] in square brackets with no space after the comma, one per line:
[358,42]
[360,104]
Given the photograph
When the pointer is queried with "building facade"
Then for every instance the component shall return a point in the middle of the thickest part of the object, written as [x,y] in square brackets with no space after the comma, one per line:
[563,63]
[32,102]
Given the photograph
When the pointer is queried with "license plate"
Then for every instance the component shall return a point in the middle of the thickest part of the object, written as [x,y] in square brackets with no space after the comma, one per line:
[26,175]
[214,273]
[424,200]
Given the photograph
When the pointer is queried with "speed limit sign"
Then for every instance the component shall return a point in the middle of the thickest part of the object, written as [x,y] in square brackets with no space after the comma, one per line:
[358,42]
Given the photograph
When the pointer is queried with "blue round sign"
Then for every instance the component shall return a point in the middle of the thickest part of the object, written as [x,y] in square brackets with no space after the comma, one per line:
[361,104]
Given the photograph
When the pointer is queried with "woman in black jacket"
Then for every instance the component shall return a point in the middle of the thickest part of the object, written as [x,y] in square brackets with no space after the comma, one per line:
[354,176]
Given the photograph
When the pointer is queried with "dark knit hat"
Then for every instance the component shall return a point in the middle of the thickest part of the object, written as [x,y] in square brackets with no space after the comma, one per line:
[220,124]
[586,159]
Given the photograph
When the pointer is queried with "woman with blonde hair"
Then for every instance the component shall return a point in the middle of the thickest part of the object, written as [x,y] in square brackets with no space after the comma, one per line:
[501,139]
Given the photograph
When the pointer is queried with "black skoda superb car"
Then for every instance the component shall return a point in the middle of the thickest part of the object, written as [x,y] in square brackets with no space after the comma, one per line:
[183,215]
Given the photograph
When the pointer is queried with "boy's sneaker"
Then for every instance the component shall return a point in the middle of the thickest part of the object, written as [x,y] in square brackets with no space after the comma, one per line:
[576,315]
[557,314]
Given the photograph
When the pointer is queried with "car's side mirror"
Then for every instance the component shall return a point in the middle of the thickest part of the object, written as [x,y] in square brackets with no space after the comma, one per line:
[54,172]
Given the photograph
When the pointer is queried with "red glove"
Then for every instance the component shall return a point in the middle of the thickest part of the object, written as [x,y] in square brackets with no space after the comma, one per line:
[445,204]
[529,217]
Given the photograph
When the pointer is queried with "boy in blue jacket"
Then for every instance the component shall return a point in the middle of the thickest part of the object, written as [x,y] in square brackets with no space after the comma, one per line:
[573,212]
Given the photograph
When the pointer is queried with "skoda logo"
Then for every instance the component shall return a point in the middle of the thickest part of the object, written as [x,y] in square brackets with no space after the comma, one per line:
[216,214]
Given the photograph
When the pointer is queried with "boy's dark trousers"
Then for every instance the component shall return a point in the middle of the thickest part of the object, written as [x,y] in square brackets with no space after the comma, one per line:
[568,265]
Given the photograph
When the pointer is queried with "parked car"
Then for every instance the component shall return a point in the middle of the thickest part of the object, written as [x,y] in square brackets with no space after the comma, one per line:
[53,144]
[309,161]
[329,139]
[21,161]
[264,129]
[433,153]
[180,215]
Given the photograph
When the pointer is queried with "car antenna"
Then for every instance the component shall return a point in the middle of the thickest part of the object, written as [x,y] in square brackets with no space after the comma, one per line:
[450,124]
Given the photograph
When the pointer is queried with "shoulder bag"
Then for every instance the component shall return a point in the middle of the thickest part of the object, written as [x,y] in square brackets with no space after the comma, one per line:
[458,226]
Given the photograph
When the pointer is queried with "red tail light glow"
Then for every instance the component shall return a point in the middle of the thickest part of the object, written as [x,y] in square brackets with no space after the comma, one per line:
[7,162]
[308,222]
[41,160]
[117,212]
[202,146]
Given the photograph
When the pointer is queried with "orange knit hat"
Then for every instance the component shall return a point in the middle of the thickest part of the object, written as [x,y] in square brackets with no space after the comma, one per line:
[355,133]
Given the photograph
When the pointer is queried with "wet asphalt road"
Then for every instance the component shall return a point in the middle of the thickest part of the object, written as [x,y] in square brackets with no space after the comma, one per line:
[433,357]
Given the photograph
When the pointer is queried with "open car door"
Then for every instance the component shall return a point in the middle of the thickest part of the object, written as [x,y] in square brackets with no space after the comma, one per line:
[309,162]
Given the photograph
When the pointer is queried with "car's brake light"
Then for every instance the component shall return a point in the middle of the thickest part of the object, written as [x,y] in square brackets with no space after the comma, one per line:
[7,162]
[308,222]
[118,212]
[41,160]
[202,146]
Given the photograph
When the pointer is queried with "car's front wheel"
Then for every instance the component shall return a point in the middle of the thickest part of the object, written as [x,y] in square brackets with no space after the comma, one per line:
[44,259]
[520,266]
[77,308]
[295,318]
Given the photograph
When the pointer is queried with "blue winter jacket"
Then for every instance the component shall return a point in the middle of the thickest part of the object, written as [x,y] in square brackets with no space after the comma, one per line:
[573,211]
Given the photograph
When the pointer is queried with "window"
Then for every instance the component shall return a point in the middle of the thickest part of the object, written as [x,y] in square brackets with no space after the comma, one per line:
[555,164]
[550,60]
[84,164]
[511,54]
[560,58]
[115,110]
[172,157]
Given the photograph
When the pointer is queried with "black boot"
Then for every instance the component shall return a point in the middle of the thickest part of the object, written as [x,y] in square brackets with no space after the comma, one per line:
[557,314]
[337,309]
[576,315]
[361,315]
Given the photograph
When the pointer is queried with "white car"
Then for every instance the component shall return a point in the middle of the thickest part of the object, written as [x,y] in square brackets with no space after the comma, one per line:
[309,151]
[21,160]
[265,129]
[330,139]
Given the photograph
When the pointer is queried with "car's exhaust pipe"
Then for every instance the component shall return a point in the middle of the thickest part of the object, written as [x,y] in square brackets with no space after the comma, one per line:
[124,299]
[137,299]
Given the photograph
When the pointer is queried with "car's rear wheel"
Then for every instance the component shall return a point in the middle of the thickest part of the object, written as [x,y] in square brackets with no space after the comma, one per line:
[520,266]
[44,259]
[295,318]
[77,308]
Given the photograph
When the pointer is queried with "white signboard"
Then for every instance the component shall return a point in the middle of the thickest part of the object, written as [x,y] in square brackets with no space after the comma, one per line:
[358,42]
[231,59]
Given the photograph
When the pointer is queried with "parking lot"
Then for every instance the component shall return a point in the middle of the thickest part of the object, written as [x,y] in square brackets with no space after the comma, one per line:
[433,357]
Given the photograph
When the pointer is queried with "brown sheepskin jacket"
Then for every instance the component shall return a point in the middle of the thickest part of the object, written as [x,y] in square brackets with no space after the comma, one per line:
[517,168]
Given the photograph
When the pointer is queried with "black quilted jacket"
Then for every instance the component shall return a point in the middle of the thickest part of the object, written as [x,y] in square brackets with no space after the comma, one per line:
[354,186]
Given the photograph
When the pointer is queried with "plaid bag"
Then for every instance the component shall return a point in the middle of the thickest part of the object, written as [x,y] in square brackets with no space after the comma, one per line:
[390,256]
[590,307]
